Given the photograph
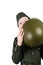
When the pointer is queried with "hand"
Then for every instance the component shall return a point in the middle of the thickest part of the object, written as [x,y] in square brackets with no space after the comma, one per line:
[20,36]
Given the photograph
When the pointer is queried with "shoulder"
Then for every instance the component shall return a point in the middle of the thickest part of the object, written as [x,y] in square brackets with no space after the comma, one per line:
[15,41]
[15,38]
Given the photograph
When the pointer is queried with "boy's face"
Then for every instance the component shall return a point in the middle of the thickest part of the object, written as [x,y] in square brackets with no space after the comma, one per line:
[22,21]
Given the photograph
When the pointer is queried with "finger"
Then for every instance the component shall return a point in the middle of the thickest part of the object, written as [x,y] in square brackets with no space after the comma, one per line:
[21,31]
[23,34]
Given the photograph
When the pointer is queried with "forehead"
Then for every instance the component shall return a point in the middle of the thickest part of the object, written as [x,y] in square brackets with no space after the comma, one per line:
[23,19]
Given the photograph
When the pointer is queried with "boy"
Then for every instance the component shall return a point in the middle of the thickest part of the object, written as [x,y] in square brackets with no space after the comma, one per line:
[21,52]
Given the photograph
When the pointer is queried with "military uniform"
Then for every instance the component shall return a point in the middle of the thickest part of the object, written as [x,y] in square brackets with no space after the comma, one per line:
[27,55]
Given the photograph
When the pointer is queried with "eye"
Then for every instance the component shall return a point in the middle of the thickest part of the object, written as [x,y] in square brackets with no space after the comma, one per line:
[20,23]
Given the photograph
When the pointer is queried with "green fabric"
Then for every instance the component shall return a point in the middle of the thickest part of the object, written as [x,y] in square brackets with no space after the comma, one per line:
[26,54]
[31,55]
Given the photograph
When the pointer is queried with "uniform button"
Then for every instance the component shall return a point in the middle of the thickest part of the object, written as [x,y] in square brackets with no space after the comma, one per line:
[32,53]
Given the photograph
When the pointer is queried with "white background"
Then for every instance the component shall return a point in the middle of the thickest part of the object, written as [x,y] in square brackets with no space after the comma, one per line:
[8,25]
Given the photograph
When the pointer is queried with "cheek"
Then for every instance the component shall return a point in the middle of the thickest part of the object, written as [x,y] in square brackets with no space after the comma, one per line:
[20,25]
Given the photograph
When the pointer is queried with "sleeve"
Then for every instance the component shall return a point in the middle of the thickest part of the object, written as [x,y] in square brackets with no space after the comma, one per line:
[41,49]
[16,52]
